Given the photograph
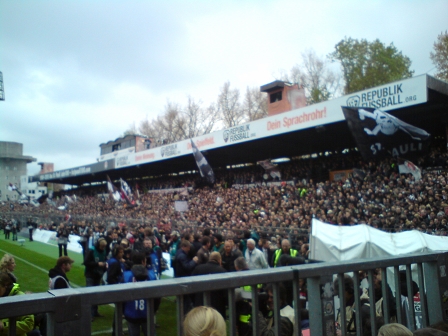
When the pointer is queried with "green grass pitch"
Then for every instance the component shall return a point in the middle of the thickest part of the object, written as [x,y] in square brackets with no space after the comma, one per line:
[34,259]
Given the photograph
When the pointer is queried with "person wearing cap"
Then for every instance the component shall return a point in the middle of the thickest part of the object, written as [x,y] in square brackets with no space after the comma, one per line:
[58,274]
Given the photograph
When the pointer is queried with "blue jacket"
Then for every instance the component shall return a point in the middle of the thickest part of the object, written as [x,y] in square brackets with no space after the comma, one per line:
[184,265]
[115,271]
[136,310]
[154,267]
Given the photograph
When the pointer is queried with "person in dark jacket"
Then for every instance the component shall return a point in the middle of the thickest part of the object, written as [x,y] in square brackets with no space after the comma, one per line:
[197,241]
[58,274]
[266,323]
[184,267]
[135,311]
[228,256]
[62,235]
[204,252]
[95,266]
[115,266]
[218,298]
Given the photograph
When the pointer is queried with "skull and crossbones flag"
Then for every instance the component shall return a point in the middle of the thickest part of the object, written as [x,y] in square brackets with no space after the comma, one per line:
[379,134]
[205,169]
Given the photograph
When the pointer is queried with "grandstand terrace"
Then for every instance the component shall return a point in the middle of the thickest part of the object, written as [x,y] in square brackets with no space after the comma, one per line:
[315,181]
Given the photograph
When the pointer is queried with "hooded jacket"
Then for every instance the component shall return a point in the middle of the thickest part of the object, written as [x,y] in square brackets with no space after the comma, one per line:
[62,281]
[24,324]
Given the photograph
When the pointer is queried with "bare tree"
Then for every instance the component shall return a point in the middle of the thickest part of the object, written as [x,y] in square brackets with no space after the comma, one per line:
[197,120]
[171,123]
[178,123]
[315,75]
[229,106]
[255,104]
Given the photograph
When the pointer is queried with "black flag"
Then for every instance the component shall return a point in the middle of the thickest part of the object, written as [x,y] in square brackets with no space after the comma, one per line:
[379,134]
[204,168]
[112,189]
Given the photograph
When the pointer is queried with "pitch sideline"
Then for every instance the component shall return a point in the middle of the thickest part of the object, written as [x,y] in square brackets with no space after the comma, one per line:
[35,266]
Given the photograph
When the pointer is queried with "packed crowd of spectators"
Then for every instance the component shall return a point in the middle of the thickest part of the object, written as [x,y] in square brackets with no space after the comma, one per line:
[244,221]
[242,200]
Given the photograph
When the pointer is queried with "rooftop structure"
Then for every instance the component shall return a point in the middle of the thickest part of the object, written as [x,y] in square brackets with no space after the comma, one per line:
[12,166]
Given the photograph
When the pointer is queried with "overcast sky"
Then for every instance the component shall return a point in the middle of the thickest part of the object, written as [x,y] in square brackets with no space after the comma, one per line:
[79,73]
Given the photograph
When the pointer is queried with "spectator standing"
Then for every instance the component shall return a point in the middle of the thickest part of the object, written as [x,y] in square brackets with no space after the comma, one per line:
[286,249]
[62,236]
[218,298]
[219,245]
[153,264]
[254,257]
[204,252]
[14,230]
[268,252]
[349,291]
[266,324]
[58,274]
[173,246]
[197,241]
[7,230]
[30,229]
[115,266]
[229,255]
[184,267]
[95,266]
[243,304]
[305,250]
[135,311]
[115,270]
[84,233]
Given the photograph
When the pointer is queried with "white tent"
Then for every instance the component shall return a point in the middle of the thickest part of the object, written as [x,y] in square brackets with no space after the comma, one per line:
[335,243]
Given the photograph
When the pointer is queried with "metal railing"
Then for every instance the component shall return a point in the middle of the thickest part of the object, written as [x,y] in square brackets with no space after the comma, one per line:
[69,310]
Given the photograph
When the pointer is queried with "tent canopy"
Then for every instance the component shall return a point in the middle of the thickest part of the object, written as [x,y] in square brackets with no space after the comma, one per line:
[336,243]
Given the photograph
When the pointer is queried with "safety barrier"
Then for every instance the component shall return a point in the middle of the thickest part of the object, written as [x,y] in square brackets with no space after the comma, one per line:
[69,310]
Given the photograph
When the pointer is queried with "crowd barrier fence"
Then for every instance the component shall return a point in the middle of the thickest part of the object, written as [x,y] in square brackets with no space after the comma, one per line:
[69,309]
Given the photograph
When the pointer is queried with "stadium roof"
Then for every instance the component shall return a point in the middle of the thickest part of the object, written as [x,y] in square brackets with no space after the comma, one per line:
[420,101]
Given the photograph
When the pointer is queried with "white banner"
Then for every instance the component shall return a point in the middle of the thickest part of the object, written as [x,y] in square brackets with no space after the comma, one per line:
[49,237]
